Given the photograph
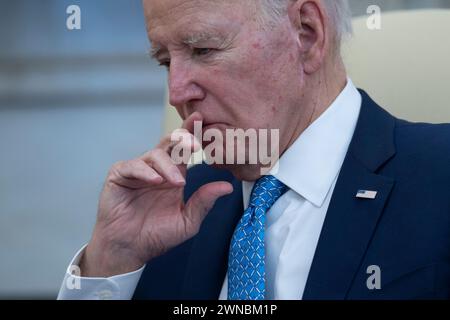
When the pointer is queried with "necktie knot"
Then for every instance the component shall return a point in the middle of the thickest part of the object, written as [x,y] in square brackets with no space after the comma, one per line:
[266,192]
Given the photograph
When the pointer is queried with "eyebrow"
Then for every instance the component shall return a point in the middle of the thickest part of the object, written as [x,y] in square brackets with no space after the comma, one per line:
[189,40]
[197,38]
[155,51]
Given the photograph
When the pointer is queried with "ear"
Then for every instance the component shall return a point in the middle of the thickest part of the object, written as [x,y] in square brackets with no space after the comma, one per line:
[309,19]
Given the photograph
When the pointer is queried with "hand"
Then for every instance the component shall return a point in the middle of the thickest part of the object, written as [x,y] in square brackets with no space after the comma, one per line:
[142,213]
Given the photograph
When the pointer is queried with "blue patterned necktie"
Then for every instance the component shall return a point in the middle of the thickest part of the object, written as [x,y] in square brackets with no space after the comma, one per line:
[246,265]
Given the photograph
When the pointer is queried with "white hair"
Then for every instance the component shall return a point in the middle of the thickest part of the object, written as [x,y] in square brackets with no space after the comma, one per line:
[337,10]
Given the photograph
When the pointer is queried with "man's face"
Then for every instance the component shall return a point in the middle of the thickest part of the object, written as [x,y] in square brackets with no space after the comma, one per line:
[223,64]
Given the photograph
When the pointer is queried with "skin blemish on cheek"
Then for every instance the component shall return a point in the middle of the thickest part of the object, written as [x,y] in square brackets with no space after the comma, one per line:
[256,45]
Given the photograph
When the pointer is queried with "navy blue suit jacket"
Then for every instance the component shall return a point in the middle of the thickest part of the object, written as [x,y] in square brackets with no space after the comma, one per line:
[405,230]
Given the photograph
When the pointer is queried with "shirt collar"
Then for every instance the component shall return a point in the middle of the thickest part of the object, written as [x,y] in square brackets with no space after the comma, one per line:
[311,164]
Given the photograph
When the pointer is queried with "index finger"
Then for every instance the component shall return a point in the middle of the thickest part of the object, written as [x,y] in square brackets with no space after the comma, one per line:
[189,123]
[187,130]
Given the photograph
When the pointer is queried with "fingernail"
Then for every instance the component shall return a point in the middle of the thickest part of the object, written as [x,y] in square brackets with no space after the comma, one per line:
[181,182]
[178,178]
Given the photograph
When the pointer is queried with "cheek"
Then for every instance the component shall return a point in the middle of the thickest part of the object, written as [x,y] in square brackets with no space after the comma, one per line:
[257,97]
[251,89]
[271,78]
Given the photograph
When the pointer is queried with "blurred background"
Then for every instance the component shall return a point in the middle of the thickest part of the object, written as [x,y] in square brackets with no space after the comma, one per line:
[71,104]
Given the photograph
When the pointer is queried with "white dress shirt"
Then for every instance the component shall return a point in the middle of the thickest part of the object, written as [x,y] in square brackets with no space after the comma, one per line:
[309,168]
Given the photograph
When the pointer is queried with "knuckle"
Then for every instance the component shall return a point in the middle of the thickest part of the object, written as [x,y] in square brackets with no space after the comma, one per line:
[165,141]
[160,155]
[115,168]
[152,154]
[133,163]
[118,164]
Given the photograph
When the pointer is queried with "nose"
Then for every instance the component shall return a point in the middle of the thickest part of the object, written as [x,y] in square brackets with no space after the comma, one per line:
[183,85]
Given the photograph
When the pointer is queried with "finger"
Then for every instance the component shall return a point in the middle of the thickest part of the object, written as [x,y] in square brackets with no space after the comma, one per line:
[168,141]
[202,201]
[182,139]
[161,162]
[134,174]
[185,141]
[181,153]
[189,123]
[171,164]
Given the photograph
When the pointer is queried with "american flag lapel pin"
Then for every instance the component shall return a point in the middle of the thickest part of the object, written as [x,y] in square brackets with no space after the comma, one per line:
[366,194]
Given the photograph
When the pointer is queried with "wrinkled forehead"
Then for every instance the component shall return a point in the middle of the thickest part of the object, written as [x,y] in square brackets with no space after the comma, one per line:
[167,18]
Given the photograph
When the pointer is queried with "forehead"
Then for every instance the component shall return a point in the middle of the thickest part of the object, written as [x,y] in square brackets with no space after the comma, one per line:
[167,19]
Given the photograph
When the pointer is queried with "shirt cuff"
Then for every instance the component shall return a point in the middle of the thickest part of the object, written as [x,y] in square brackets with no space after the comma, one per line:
[75,287]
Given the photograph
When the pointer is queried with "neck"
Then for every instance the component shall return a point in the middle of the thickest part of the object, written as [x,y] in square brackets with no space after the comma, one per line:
[320,91]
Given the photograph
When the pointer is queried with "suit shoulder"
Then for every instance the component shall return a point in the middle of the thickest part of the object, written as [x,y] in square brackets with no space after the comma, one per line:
[426,138]
[425,147]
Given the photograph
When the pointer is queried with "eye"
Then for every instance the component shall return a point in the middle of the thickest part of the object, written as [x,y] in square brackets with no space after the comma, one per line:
[165,63]
[201,51]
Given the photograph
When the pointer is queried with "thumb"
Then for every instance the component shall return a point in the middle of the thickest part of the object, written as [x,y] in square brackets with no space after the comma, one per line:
[202,201]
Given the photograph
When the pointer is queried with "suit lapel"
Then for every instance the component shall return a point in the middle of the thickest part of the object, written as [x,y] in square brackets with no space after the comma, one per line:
[350,221]
[207,264]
